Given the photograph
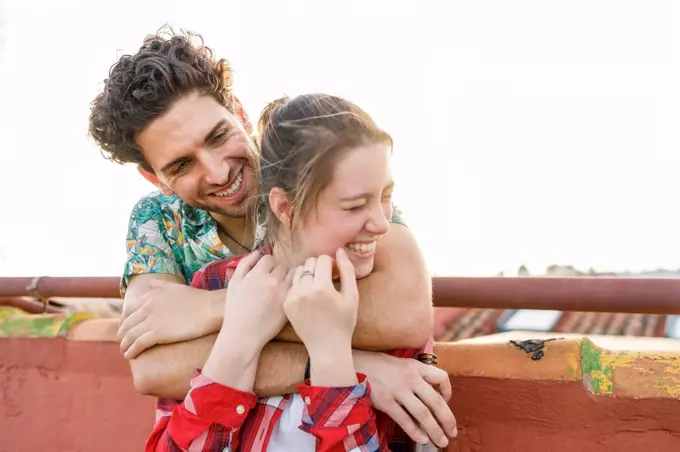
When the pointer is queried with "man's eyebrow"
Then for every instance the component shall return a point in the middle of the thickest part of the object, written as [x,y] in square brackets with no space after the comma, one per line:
[209,137]
[358,196]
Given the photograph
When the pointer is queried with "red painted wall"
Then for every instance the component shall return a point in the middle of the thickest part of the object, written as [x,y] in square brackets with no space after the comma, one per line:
[69,396]
[503,415]
[73,396]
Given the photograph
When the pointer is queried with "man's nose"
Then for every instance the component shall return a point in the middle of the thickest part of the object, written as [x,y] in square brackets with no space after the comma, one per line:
[216,169]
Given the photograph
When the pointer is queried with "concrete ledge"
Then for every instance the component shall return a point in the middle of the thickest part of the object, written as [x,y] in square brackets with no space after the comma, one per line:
[592,394]
[99,330]
[79,326]
[606,365]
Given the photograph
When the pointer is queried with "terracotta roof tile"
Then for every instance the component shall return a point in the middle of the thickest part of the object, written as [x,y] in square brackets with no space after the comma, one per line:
[471,323]
[454,323]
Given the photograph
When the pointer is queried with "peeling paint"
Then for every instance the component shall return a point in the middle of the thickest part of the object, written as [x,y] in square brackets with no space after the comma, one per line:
[597,368]
[639,375]
[574,360]
[669,381]
[595,376]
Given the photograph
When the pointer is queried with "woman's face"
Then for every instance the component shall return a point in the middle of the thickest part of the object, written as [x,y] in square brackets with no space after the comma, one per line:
[352,211]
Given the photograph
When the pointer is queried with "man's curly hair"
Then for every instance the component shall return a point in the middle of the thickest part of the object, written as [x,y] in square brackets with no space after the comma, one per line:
[142,87]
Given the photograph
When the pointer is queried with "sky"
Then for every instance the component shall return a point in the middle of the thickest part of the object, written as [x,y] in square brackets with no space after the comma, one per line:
[526,132]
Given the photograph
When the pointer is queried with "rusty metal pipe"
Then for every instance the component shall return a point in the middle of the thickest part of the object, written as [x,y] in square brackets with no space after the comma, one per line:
[594,294]
[67,287]
[625,295]
[29,305]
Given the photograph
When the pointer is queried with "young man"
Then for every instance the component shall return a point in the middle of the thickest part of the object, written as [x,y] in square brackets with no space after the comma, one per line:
[169,109]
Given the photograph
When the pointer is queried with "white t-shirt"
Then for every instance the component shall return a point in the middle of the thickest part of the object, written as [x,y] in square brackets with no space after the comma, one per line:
[287,435]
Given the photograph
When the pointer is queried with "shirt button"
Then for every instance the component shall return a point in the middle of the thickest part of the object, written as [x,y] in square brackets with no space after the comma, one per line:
[240,409]
[307,400]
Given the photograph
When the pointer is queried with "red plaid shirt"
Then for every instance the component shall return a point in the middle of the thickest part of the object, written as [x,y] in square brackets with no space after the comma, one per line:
[214,417]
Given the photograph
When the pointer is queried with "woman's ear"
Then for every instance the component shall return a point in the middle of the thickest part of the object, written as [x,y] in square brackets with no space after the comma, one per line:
[281,206]
[151,177]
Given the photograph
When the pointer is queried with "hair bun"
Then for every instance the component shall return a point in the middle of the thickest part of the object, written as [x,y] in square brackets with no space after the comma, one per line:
[268,114]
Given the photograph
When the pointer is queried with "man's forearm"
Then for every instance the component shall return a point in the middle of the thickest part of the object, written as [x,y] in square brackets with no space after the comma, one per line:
[165,370]
[393,315]
[395,308]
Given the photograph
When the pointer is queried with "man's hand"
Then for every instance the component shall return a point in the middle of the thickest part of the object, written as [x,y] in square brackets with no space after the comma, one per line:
[164,317]
[406,389]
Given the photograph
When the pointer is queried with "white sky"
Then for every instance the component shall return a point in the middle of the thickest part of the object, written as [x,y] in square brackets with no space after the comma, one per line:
[526,132]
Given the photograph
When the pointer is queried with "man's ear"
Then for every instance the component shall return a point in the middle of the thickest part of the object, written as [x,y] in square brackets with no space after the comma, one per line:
[151,177]
[281,206]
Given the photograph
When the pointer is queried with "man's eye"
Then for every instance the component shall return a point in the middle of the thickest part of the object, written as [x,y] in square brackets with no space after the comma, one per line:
[219,138]
[180,168]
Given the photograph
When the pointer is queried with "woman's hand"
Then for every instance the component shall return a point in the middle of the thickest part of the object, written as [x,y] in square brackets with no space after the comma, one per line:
[253,316]
[324,318]
[254,304]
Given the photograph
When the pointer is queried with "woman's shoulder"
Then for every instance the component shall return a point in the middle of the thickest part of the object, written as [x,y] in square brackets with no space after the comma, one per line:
[215,275]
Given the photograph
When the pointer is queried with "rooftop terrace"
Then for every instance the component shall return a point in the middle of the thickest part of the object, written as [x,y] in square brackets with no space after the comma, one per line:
[67,388]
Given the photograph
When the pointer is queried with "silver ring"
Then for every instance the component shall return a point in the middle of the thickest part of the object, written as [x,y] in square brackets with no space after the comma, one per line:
[307,272]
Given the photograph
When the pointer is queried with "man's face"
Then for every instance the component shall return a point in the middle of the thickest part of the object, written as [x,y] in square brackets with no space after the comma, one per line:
[200,151]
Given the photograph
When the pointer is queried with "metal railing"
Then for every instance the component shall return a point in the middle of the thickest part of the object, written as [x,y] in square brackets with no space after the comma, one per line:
[595,294]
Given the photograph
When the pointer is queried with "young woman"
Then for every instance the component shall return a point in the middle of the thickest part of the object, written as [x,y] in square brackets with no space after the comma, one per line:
[327,183]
